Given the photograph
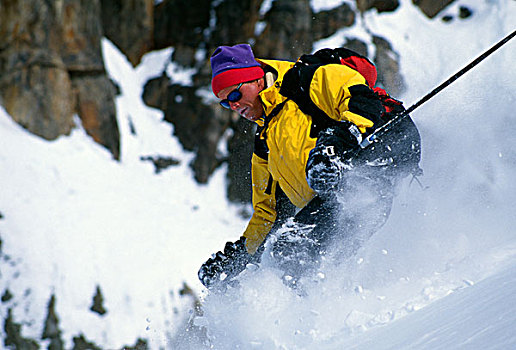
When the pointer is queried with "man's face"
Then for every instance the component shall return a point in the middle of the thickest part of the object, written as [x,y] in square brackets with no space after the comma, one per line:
[249,106]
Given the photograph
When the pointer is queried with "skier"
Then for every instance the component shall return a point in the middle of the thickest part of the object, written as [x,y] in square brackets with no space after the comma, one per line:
[312,185]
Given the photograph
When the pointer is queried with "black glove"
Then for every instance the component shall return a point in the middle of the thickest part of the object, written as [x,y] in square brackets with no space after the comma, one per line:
[366,103]
[223,266]
[330,157]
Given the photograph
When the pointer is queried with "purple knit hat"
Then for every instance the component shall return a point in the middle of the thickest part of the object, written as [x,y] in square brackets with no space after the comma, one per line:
[232,65]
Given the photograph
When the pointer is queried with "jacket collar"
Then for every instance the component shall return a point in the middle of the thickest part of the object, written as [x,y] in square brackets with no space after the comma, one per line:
[270,96]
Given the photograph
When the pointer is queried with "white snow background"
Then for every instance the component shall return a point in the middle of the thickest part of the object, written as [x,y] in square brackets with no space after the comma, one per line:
[441,274]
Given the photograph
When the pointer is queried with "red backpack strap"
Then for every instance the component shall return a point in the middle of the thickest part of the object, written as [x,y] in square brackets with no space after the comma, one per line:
[391,105]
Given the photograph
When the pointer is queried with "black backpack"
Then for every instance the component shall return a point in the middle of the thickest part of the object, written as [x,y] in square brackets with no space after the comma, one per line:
[401,144]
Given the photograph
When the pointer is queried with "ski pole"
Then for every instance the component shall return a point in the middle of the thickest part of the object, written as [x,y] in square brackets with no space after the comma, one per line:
[381,130]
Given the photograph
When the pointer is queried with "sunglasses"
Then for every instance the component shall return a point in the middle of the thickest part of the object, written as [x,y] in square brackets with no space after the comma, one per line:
[233,96]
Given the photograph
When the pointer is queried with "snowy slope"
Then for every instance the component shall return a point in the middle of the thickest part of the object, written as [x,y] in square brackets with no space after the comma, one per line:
[439,275]
[482,316]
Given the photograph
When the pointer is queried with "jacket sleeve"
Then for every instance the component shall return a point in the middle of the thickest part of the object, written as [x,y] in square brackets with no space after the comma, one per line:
[264,204]
[330,91]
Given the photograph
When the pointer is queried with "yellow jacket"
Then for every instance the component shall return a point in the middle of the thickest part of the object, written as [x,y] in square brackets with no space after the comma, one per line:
[288,141]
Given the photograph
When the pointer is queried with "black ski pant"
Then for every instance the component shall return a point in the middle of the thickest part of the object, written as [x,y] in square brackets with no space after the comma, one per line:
[335,225]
